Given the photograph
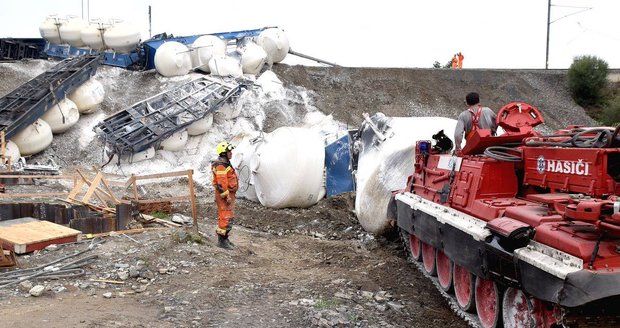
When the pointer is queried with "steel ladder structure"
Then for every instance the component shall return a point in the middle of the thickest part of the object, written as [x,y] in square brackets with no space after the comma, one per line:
[150,121]
[24,105]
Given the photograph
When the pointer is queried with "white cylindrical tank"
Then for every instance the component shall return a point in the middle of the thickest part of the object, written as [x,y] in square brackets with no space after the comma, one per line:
[253,58]
[175,142]
[204,48]
[384,166]
[173,59]
[242,156]
[288,168]
[11,151]
[62,116]
[71,31]
[201,126]
[228,111]
[88,96]
[275,43]
[225,66]
[92,35]
[33,138]
[50,29]
[121,37]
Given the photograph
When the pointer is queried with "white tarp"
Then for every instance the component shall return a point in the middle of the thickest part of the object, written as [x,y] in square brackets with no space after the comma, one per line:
[384,166]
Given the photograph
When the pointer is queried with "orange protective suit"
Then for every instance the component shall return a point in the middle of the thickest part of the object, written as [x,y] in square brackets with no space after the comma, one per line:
[455,62]
[461,57]
[226,184]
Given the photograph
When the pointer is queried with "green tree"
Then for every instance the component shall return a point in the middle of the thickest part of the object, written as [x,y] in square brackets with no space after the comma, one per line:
[587,78]
[611,114]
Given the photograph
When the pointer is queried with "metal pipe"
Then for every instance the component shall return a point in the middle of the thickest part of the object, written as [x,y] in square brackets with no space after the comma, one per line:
[548,26]
[290,51]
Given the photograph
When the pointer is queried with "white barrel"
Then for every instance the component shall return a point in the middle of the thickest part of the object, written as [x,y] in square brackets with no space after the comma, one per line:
[62,116]
[175,142]
[71,31]
[204,48]
[288,168]
[275,43]
[173,59]
[11,151]
[33,138]
[384,166]
[201,126]
[88,96]
[50,29]
[225,66]
[253,58]
[121,37]
[92,35]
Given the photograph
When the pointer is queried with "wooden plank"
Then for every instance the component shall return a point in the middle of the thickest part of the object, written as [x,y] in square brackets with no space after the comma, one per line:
[76,190]
[28,234]
[98,189]
[192,197]
[110,192]
[51,194]
[162,175]
[93,186]
[135,187]
[184,198]
[51,177]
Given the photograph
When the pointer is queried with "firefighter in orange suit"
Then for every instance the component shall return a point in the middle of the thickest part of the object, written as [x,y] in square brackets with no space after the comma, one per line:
[225,183]
[460,61]
[455,61]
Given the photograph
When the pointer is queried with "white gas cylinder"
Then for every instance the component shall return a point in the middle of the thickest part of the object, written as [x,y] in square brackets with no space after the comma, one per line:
[88,96]
[62,116]
[121,37]
[287,168]
[275,43]
[92,35]
[71,31]
[173,59]
[50,29]
[175,142]
[33,138]
[204,48]
[200,126]
[225,66]
[253,58]
[11,151]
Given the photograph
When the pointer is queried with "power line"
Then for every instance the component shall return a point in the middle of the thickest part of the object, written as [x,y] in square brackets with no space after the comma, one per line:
[549,22]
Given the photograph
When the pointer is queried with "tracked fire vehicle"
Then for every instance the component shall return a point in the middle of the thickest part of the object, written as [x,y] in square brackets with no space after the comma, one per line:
[522,228]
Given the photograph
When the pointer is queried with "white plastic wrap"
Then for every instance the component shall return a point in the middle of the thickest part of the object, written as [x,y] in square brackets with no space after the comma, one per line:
[172,59]
[204,48]
[275,43]
[71,31]
[288,168]
[225,66]
[62,116]
[88,96]
[33,138]
[385,167]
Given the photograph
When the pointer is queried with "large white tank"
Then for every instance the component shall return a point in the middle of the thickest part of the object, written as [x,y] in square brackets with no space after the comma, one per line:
[228,111]
[121,37]
[71,31]
[200,126]
[225,66]
[33,138]
[50,29]
[11,151]
[175,142]
[275,43]
[288,168]
[384,166]
[253,58]
[204,48]
[242,156]
[88,96]
[62,116]
[173,59]
[92,35]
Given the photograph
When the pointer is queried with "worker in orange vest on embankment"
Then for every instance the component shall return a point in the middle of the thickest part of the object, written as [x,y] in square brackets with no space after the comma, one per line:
[460,60]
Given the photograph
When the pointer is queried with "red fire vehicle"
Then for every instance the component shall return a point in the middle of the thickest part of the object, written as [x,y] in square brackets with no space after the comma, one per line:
[523,228]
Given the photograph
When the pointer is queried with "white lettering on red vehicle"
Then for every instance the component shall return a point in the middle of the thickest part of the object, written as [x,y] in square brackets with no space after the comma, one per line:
[578,167]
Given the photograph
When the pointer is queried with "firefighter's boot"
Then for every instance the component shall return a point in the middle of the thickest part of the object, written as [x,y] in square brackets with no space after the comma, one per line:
[223,242]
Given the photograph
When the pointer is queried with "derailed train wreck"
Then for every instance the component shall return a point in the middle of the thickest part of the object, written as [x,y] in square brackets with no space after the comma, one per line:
[523,228]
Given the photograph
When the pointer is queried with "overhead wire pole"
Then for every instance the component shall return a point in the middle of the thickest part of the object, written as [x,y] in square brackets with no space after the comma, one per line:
[549,22]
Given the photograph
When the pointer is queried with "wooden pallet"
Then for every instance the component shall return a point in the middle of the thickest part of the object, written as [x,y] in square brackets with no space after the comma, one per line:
[27,234]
